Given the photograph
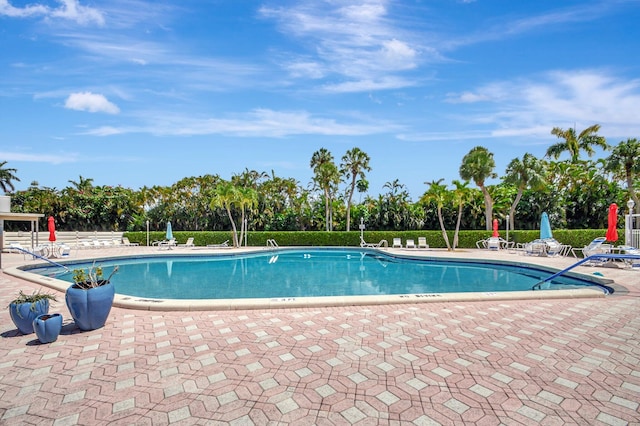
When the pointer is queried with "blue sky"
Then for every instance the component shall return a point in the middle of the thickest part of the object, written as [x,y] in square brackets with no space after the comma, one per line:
[142,93]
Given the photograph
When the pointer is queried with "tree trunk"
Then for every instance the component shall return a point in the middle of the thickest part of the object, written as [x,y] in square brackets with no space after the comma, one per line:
[488,207]
[455,235]
[444,231]
[233,226]
[512,210]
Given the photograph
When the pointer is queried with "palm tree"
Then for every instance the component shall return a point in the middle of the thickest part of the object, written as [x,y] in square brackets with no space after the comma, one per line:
[523,174]
[82,184]
[624,163]
[326,177]
[247,198]
[439,194]
[225,196]
[354,163]
[573,143]
[7,175]
[478,166]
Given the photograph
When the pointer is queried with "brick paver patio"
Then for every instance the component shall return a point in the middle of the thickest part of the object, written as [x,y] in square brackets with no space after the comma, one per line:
[551,362]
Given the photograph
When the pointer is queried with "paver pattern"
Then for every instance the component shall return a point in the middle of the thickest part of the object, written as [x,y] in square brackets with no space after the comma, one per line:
[547,362]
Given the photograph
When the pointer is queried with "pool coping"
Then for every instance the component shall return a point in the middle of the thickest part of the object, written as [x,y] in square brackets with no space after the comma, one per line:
[151,304]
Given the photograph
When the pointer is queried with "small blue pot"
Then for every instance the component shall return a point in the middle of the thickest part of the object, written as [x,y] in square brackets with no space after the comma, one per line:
[90,307]
[47,327]
[23,314]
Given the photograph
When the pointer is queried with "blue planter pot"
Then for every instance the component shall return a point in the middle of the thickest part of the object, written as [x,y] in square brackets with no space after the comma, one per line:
[47,327]
[90,307]
[23,314]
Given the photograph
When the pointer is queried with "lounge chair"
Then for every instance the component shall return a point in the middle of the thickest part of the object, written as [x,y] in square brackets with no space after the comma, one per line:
[221,245]
[128,243]
[556,248]
[597,246]
[382,243]
[535,248]
[492,243]
[410,244]
[165,244]
[422,243]
[631,263]
[189,243]
[397,243]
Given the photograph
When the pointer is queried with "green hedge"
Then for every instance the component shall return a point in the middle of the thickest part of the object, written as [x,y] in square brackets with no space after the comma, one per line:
[575,238]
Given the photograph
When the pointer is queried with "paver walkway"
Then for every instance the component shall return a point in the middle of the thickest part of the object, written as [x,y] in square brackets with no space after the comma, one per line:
[486,363]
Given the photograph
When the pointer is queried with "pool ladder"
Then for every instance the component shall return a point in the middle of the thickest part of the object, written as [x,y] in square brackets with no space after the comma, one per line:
[272,243]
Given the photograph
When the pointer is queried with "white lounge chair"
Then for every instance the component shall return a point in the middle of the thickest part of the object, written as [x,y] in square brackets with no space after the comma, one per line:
[631,263]
[597,246]
[189,243]
[165,244]
[397,243]
[422,242]
[410,244]
[382,243]
[221,245]
[128,243]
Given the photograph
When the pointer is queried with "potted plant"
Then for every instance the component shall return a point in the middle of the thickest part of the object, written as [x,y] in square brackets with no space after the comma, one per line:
[26,307]
[90,298]
[47,327]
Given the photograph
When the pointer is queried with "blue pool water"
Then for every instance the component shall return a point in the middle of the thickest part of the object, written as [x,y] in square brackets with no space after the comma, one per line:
[308,273]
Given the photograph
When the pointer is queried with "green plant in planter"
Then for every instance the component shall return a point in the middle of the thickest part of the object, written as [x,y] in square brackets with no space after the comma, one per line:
[90,298]
[26,307]
[92,277]
[32,298]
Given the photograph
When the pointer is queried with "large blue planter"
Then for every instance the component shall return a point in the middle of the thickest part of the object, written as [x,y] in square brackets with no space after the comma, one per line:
[23,314]
[90,308]
[47,327]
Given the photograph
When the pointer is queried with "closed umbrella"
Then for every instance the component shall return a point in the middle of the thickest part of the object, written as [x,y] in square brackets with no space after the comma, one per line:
[495,228]
[612,230]
[52,229]
[169,235]
[545,227]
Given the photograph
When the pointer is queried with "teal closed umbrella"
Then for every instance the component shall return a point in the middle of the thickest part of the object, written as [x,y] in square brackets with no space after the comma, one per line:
[169,235]
[545,227]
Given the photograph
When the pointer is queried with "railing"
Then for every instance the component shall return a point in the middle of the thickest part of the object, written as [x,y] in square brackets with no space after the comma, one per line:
[35,255]
[604,256]
[271,243]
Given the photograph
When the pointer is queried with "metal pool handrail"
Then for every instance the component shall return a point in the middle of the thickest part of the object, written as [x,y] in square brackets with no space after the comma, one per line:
[612,256]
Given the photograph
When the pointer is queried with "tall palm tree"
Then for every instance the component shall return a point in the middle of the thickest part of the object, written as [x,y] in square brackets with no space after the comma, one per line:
[624,163]
[478,166]
[326,177]
[439,194]
[573,144]
[225,196]
[354,163]
[247,199]
[7,176]
[523,174]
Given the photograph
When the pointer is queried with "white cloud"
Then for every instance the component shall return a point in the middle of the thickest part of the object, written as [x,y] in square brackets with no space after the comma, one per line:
[39,158]
[265,123]
[358,41]
[91,102]
[70,10]
[528,108]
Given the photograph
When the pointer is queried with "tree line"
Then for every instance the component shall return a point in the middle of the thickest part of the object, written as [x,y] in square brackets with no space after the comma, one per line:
[575,193]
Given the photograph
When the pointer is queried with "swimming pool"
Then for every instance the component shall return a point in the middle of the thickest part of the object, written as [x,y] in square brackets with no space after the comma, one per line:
[304,273]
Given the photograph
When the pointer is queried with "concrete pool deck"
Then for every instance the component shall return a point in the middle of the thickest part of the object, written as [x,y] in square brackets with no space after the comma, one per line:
[550,361]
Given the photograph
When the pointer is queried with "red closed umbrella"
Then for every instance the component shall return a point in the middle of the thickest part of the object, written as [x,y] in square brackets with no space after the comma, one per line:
[52,229]
[612,230]
[495,228]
